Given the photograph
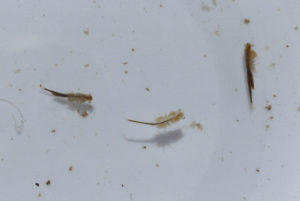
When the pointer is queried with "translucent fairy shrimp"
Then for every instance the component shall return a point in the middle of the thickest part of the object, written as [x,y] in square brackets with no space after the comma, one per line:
[163,121]
[72,97]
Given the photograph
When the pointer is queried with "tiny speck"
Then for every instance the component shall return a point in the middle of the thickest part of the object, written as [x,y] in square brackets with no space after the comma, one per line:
[132,49]
[39,195]
[195,124]
[160,5]
[144,147]
[147,89]
[267,126]
[37,184]
[83,113]
[53,131]
[125,63]
[86,65]
[122,185]
[272,65]
[126,71]
[287,46]
[269,107]
[271,117]
[214,2]
[157,165]
[267,48]
[246,21]
[48,183]
[86,31]
[71,168]
[18,70]
[296,28]
[205,56]
[298,109]
[205,7]
[274,95]
[257,170]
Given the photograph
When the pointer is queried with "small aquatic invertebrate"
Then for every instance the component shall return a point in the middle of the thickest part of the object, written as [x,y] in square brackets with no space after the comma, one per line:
[72,97]
[163,121]
[249,61]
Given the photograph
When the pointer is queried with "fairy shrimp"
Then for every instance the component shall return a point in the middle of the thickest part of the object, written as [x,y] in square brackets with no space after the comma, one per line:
[163,121]
[249,61]
[72,97]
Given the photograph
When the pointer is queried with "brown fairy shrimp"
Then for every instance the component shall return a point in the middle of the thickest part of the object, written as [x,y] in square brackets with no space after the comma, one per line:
[72,97]
[163,121]
[249,61]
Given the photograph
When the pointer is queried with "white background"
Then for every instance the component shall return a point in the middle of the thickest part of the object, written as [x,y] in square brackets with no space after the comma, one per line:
[189,54]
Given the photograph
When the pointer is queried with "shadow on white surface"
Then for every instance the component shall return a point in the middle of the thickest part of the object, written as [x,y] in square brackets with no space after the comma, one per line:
[161,139]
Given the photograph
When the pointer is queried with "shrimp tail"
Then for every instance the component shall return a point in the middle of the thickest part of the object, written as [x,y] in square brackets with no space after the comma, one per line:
[142,122]
[55,93]
[250,84]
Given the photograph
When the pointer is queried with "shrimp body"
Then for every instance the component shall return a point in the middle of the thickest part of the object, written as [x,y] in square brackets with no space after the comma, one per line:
[72,97]
[163,121]
[79,97]
[249,61]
